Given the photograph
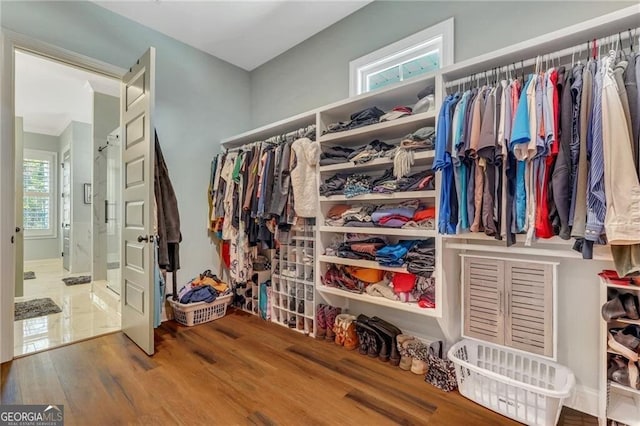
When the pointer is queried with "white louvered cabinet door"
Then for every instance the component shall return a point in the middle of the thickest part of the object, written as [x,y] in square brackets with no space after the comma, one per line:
[529,307]
[484,299]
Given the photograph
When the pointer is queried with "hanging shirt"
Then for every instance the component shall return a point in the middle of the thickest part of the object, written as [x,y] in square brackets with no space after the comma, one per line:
[596,203]
[520,138]
[443,163]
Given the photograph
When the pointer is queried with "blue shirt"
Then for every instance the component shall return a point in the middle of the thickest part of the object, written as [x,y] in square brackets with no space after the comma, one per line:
[443,163]
[520,132]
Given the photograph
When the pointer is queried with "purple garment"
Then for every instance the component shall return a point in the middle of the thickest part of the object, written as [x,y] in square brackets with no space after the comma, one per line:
[400,211]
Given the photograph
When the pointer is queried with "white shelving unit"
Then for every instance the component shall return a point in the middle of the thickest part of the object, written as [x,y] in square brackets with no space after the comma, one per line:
[293,280]
[390,132]
[617,402]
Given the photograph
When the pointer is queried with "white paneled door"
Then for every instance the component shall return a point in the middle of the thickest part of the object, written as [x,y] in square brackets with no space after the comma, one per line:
[136,109]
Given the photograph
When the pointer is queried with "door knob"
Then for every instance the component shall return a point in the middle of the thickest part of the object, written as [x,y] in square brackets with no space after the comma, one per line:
[141,238]
[18,229]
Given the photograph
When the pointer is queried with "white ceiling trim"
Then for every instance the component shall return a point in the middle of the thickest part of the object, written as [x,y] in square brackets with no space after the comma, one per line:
[244,33]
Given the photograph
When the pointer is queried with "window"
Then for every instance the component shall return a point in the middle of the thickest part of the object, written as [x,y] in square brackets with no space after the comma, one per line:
[39,186]
[410,57]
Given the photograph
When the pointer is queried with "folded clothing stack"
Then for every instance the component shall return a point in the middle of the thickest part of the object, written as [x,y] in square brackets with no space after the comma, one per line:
[393,254]
[374,149]
[358,184]
[335,155]
[351,278]
[407,214]
[361,118]
[363,248]
[204,288]
[421,139]
[333,185]
[395,215]
[420,181]
[421,258]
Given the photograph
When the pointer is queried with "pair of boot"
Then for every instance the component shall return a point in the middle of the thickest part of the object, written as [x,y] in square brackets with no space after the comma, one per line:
[413,354]
[378,338]
[345,331]
[325,319]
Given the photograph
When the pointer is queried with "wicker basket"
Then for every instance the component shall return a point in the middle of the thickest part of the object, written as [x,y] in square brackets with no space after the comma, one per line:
[200,312]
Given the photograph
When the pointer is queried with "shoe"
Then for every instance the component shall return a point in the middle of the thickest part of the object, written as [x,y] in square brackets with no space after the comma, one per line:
[248,293]
[291,322]
[321,321]
[301,307]
[618,370]
[419,353]
[402,341]
[350,335]
[331,313]
[613,309]
[338,329]
[292,305]
[391,331]
[374,342]
[633,375]
[625,341]
[630,304]
[300,323]
[362,341]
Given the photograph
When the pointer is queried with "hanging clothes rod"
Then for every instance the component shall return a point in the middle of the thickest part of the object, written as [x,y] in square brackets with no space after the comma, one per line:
[308,131]
[591,48]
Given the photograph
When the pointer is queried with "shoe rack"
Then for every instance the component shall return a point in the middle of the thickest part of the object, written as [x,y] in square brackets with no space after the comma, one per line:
[618,402]
[249,292]
[292,279]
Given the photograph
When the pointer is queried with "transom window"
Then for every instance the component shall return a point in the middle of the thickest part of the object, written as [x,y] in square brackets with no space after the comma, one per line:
[408,58]
[39,183]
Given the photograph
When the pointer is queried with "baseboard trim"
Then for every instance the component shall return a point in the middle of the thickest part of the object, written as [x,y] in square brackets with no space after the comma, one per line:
[584,399]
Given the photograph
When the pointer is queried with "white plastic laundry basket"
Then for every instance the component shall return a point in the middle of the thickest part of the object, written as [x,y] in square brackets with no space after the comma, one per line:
[525,387]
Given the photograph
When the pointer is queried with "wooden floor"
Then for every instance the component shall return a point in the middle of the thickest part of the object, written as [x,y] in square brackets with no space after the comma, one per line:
[236,370]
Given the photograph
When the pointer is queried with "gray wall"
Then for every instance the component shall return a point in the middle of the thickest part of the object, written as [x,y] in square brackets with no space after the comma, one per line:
[106,119]
[43,248]
[200,99]
[316,71]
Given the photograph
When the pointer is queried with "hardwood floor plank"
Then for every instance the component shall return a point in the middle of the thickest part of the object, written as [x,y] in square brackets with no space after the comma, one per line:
[10,386]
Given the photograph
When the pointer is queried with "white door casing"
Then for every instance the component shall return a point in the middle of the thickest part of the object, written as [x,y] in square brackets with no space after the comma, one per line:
[136,112]
[19,235]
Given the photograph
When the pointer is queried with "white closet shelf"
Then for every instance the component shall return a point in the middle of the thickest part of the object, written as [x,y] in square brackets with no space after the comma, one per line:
[303,239]
[279,127]
[624,388]
[400,232]
[381,301]
[297,280]
[627,321]
[407,195]
[420,157]
[623,409]
[385,130]
[359,262]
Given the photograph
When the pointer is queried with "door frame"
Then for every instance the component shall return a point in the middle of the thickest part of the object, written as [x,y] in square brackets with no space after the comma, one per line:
[10,42]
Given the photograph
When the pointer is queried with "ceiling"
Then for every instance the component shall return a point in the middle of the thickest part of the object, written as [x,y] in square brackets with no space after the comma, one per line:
[49,95]
[244,33]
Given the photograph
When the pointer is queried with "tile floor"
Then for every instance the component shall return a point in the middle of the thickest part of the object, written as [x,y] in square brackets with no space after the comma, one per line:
[84,313]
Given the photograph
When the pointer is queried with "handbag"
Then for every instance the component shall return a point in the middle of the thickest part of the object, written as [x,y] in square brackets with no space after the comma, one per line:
[441,372]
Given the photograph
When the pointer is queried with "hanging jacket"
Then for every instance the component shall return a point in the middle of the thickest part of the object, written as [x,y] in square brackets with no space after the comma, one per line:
[303,177]
[167,214]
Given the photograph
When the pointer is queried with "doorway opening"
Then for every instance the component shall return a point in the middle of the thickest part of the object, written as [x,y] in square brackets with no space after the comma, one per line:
[68,205]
